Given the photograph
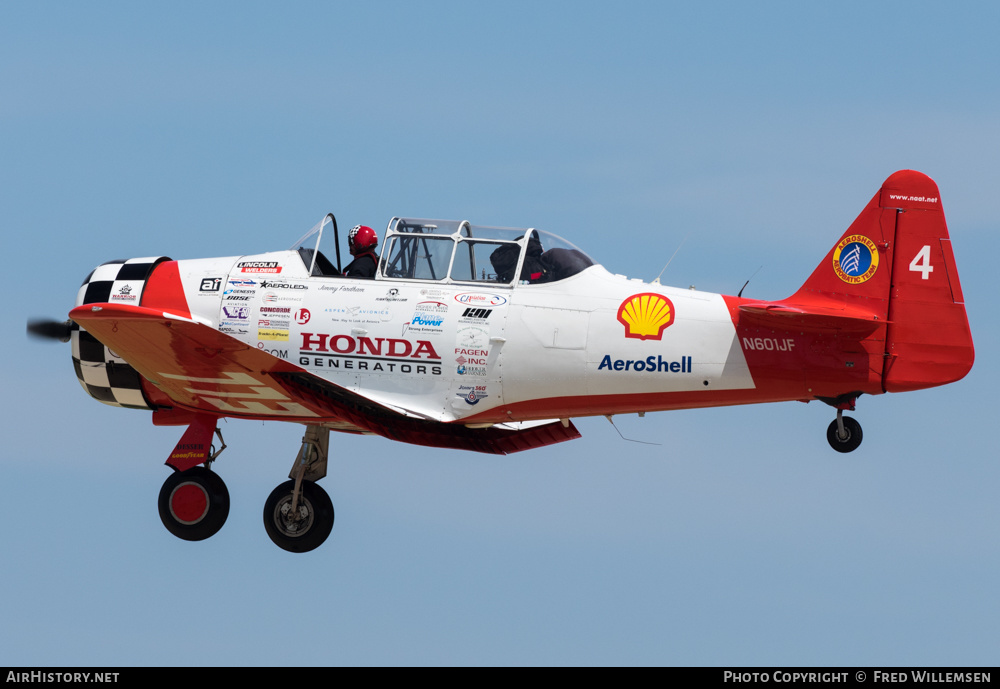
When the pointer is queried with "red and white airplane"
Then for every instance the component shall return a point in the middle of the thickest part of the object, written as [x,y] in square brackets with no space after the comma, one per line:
[490,339]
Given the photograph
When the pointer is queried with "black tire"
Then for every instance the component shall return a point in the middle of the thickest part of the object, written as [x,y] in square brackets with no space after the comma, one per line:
[853,439]
[315,517]
[194,504]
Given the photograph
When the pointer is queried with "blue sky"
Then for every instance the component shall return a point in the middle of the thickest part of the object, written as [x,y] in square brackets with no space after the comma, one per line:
[758,131]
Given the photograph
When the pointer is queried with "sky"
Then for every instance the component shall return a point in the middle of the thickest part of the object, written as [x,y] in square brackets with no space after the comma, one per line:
[748,134]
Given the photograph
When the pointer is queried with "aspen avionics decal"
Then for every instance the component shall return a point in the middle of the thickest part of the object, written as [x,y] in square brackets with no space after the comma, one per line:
[855,259]
[645,316]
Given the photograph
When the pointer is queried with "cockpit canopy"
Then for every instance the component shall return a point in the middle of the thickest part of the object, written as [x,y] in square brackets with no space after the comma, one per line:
[457,251]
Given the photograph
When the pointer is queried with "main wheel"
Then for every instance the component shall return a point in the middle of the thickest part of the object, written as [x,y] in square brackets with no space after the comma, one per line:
[852,429]
[194,504]
[307,527]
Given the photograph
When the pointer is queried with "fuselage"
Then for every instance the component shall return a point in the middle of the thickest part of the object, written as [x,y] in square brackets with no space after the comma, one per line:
[593,343]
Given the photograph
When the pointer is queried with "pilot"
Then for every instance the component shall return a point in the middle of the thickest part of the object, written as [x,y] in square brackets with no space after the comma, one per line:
[362,240]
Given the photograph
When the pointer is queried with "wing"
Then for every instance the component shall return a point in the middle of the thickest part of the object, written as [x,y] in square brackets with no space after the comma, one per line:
[201,369]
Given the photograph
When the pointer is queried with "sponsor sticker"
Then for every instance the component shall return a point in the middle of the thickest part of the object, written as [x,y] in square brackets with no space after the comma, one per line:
[480,299]
[654,363]
[645,316]
[432,306]
[855,259]
[472,394]
[238,313]
[270,267]
[272,334]
[125,294]
[473,336]
[210,285]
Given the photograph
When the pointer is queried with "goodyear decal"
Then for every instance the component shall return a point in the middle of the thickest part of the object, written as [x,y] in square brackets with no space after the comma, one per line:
[645,316]
[855,259]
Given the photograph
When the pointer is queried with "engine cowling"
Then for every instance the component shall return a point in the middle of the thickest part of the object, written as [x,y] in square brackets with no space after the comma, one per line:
[103,374]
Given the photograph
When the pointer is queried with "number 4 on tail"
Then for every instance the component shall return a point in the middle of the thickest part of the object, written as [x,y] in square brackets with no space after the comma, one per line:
[921,263]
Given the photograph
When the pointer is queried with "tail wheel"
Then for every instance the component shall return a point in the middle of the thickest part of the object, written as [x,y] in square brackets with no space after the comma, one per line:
[847,441]
[194,504]
[301,529]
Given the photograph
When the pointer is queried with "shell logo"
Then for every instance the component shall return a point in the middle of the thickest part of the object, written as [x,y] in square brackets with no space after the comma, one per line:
[645,316]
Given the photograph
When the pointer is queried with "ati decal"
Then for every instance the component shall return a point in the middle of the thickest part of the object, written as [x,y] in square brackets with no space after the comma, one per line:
[210,285]
[855,259]
[651,364]
[645,316]
[477,299]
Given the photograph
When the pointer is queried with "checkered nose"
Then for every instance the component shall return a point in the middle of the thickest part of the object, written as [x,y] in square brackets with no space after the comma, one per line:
[104,375]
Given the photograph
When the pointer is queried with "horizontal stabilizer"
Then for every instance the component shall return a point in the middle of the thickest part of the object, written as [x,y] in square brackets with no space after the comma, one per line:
[814,317]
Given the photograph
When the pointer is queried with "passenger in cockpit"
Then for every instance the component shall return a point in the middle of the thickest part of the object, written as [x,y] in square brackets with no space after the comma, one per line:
[362,240]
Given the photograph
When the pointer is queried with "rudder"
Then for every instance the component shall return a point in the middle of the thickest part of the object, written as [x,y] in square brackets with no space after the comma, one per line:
[928,340]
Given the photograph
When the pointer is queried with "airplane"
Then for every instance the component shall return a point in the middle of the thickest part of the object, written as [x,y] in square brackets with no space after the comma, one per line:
[491,339]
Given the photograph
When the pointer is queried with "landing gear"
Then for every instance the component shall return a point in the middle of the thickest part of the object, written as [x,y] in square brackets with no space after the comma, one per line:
[844,433]
[298,515]
[194,504]
[299,523]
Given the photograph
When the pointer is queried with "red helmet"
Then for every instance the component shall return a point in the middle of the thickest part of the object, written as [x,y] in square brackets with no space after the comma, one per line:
[361,239]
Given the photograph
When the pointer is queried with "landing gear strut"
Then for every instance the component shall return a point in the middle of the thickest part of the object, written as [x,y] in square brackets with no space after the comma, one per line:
[298,515]
[194,503]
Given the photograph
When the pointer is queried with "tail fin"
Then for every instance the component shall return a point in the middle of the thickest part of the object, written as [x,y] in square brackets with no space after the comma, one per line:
[895,262]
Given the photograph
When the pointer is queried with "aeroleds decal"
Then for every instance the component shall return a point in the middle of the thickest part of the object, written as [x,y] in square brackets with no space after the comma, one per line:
[855,259]
[646,315]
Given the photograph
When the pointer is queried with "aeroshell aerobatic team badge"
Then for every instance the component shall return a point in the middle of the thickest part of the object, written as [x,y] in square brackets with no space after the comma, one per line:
[855,259]
[645,316]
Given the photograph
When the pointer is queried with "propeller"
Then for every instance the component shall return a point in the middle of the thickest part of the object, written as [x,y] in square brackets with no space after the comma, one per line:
[51,330]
